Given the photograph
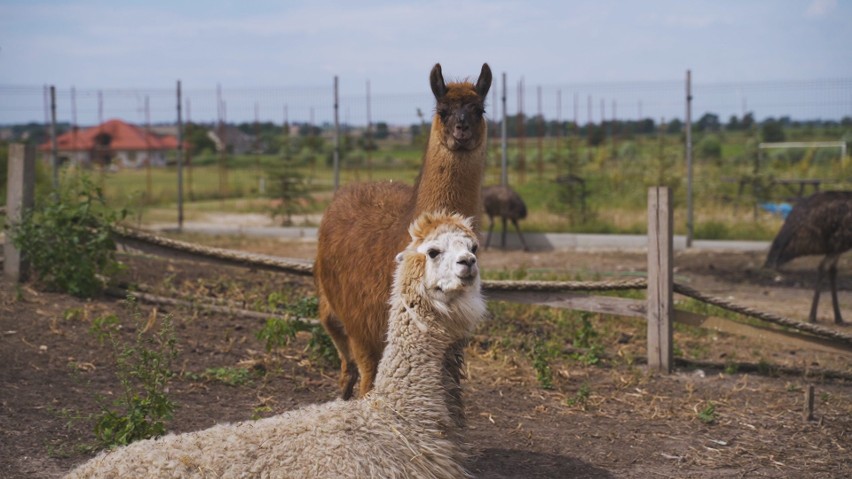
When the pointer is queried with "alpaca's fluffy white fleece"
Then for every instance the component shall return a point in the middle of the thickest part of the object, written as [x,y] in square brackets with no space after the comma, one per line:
[363,439]
[401,429]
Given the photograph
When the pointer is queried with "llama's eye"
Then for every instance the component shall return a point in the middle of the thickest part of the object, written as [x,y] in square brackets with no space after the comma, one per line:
[433,253]
[474,249]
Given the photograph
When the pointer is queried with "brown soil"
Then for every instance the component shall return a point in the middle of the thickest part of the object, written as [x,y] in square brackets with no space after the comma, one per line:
[606,420]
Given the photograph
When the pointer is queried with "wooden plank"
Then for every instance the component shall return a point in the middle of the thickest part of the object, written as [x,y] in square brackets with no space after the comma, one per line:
[19,198]
[578,301]
[660,282]
[788,338]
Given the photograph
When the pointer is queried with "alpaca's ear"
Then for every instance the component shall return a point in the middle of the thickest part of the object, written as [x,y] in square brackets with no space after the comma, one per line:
[420,226]
[483,84]
[399,257]
[468,221]
[436,80]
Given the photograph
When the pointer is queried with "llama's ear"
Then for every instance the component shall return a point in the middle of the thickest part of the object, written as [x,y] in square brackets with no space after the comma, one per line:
[483,84]
[399,257]
[436,80]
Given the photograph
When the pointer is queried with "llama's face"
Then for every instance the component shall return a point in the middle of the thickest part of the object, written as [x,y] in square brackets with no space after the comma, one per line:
[460,109]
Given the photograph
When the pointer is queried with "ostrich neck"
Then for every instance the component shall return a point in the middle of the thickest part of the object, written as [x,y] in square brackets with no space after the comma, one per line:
[450,180]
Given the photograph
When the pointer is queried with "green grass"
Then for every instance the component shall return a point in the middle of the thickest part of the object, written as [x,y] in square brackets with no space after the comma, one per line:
[617,175]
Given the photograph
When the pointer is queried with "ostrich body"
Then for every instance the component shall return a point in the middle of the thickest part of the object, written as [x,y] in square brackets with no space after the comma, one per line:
[503,201]
[820,224]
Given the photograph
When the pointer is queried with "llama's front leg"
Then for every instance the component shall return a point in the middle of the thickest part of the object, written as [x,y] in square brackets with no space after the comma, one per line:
[348,369]
[367,359]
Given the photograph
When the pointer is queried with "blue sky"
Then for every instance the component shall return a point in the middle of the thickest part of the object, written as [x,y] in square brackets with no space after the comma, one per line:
[394,43]
[98,44]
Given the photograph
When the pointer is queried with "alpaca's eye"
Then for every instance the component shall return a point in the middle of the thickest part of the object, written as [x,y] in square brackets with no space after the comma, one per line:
[433,253]
[474,249]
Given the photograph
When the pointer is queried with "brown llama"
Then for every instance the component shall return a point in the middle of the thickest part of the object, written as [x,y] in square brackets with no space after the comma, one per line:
[366,224]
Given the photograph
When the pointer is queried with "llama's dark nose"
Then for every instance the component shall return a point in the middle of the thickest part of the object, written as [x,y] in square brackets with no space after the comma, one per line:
[461,122]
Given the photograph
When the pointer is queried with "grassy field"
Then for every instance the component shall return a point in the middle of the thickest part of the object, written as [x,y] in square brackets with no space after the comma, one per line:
[727,184]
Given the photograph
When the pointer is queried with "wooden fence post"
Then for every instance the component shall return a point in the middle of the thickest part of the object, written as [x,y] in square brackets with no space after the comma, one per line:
[19,197]
[660,282]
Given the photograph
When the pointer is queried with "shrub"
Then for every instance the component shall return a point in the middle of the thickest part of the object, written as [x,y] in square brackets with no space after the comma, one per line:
[67,239]
[710,147]
[143,368]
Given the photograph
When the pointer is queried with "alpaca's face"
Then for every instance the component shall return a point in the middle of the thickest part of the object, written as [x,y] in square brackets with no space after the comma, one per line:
[450,267]
[460,108]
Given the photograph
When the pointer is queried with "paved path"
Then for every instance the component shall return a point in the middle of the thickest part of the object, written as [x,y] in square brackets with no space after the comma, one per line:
[536,241]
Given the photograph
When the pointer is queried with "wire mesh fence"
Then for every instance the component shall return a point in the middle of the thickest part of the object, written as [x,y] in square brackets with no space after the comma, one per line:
[811,100]
[247,141]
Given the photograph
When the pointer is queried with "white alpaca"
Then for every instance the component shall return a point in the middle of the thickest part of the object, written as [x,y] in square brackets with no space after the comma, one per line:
[399,430]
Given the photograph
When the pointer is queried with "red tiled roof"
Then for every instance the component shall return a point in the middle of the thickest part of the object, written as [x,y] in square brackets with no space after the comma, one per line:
[124,137]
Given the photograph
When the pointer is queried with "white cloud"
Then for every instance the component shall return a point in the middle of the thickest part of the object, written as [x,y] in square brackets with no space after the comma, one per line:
[819,8]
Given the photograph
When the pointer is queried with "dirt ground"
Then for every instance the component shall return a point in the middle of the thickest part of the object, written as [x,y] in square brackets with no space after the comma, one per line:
[610,419]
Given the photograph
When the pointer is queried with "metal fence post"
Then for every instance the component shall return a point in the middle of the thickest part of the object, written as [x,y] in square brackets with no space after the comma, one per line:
[179,159]
[660,282]
[690,224]
[19,198]
[336,136]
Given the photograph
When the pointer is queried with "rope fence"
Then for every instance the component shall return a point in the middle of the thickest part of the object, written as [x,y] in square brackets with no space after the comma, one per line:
[149,242]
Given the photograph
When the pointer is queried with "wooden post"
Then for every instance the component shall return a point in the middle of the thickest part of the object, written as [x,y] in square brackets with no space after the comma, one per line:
[19,197]
[808,410]
[660,263]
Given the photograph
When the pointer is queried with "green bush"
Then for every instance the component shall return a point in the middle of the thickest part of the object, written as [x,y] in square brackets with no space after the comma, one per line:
[710,147]
[143,368]
[67,239]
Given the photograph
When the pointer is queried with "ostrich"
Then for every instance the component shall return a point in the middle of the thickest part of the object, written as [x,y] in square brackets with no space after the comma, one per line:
[820,224]
[503,201]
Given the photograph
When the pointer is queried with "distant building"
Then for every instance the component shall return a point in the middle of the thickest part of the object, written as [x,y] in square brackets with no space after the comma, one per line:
[112,144]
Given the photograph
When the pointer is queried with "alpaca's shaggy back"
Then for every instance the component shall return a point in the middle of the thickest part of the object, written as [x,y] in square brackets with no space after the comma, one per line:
[366,225]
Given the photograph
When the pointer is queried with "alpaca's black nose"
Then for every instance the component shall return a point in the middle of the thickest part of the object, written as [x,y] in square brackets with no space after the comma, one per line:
[468,261]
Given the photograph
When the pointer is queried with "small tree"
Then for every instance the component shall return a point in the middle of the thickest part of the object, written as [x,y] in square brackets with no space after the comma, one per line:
[772,131]
[289,187]
[710,148]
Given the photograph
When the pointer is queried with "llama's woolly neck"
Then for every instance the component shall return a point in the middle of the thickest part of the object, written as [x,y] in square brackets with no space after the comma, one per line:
[450,180]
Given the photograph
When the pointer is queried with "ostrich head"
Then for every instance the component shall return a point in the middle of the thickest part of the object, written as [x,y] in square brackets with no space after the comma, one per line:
[460,108]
